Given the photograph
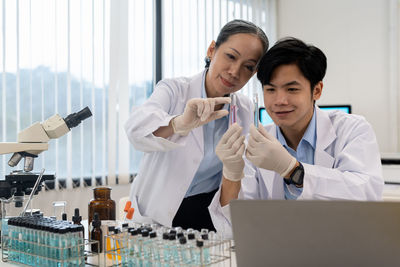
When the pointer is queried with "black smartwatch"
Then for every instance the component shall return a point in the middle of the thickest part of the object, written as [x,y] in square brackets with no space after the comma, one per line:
[297,176]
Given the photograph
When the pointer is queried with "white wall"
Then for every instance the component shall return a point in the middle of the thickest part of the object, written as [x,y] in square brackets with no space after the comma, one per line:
[355,36]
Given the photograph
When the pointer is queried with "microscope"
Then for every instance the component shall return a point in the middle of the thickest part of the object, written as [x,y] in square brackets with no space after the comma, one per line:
[30,143]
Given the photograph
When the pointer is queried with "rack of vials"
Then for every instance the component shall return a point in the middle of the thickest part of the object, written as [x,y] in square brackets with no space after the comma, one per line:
[42,241]
[153,245]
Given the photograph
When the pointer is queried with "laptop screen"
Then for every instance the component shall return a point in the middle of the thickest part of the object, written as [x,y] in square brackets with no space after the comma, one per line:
[316,233]
[266,119]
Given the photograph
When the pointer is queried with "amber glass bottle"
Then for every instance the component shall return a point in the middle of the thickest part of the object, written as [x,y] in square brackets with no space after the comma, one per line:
[102,204]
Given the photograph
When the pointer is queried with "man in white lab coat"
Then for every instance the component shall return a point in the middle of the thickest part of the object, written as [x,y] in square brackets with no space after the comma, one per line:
[307,153]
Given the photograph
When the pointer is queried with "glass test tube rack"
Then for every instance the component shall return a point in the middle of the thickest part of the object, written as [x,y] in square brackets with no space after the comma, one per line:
[40,241]
[33,254]
[161,246]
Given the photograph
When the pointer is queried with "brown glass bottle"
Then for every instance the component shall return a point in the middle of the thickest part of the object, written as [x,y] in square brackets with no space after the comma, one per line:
[102,204]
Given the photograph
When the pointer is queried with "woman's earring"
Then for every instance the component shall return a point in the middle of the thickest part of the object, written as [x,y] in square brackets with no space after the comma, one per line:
[208,61]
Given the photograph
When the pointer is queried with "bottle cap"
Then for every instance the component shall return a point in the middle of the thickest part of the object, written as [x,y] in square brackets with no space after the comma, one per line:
[199,243]
[179,235]
[134,232]
[145,233]
[182,240]
[165,236]
[76,218]
[171,236]
[152,234]
[124,225]
[191,236]
[64,216]
[204,236]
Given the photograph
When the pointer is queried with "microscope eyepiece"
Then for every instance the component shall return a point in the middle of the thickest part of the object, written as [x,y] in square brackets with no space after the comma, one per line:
[75,119]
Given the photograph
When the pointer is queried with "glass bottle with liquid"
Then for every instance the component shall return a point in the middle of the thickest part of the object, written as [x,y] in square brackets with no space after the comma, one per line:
[76,219]
[102,204]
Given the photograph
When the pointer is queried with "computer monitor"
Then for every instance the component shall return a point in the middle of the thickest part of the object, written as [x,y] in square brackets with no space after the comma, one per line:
[266,119]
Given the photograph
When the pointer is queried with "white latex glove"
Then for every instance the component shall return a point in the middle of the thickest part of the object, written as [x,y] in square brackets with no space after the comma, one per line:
[199,111]
[265,152]
[230,151]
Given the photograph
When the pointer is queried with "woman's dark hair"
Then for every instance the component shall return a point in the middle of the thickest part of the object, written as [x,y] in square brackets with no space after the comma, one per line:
[310,60]
[240,26]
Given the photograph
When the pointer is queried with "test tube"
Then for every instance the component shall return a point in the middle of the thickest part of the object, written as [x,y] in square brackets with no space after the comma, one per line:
[255,103]
[148,248]
[133,249]
[233,110]
[185,251]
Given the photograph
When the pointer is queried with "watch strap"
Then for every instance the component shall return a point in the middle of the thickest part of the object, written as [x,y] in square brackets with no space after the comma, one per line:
[298,172]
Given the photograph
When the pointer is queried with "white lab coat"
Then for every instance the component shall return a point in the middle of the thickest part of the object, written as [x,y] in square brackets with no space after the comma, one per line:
[347,166]
[169,165]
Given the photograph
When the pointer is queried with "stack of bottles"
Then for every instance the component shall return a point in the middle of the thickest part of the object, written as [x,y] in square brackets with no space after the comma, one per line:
[41,241]
[160,246]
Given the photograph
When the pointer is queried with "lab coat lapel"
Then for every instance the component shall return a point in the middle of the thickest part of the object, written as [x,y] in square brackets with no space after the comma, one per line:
[195,92]
[325,136]
[273,181]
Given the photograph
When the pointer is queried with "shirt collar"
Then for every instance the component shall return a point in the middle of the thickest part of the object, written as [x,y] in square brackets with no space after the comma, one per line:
[309,135]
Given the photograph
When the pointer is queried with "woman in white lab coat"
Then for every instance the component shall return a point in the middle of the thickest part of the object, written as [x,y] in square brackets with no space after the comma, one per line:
[180,124]
[307,153]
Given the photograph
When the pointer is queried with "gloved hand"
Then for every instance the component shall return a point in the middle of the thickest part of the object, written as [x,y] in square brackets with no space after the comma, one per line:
[265,152]
[230,151]
[199,111]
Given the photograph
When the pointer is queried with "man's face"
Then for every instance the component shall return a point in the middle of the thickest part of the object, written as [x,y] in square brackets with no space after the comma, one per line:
[288,99]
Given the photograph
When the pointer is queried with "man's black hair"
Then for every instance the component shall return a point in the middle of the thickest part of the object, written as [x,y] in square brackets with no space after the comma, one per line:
[310,60]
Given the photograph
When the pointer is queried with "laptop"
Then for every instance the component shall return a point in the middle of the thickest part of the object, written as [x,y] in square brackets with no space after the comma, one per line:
[316,233]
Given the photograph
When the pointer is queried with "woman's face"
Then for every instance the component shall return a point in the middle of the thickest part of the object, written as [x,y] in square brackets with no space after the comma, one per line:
[233,63]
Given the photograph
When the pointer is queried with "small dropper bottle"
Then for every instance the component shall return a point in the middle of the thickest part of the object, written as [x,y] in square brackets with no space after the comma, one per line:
[96,234]
[76,219]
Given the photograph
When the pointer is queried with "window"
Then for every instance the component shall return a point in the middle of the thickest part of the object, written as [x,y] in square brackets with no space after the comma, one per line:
[54,58]
[60,56]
